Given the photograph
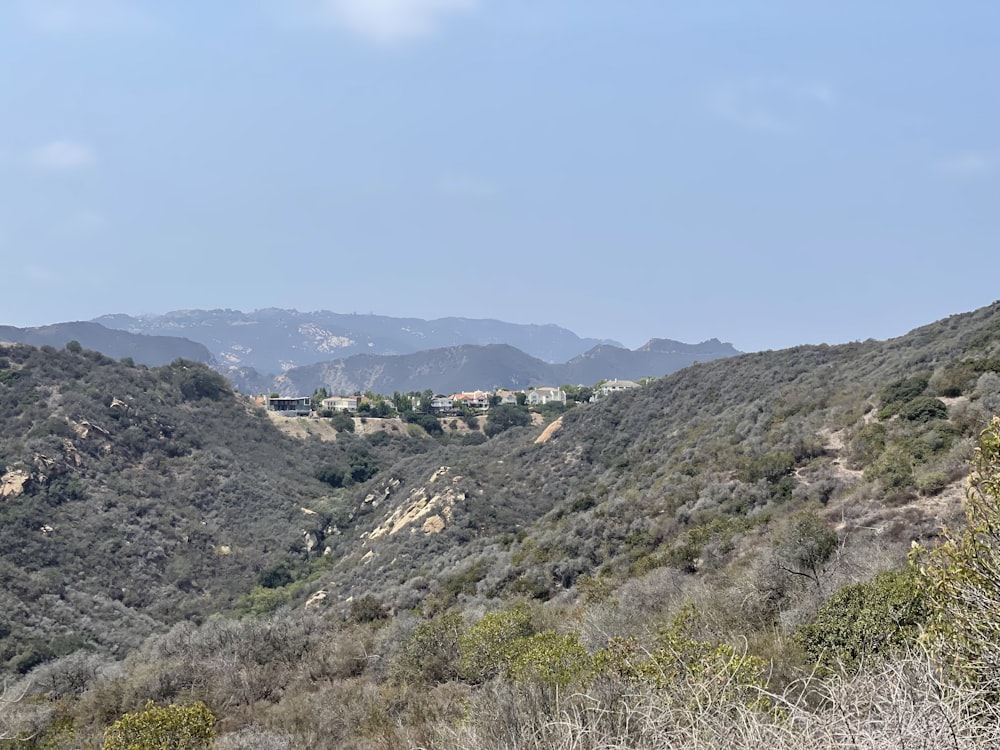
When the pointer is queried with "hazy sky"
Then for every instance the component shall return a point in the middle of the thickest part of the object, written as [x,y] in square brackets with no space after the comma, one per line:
[767,172]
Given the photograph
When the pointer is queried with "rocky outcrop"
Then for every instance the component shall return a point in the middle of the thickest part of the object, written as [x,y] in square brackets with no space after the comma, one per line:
[13,482]
[427,509]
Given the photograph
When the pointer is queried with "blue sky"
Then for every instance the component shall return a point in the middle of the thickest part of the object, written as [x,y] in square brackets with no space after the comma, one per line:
[767,172]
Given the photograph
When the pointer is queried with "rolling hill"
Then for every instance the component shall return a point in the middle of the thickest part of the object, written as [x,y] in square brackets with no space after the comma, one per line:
[144,349]
[155,519]
[462,368]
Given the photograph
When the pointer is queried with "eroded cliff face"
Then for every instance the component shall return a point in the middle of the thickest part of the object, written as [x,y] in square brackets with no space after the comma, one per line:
[425,509]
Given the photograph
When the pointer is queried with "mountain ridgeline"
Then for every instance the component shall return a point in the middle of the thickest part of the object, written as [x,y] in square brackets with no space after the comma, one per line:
[154,518]
[272,340]
[462,368]
[293,353]
[152,350]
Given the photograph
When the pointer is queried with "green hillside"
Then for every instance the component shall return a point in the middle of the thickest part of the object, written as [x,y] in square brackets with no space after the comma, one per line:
[670,562]
[137,497]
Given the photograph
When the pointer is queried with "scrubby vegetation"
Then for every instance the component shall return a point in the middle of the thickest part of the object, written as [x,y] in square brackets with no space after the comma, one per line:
[724,558]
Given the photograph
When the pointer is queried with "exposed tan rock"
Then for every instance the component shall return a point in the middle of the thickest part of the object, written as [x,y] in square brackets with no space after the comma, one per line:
[117,403]
[421,506]
[433,525]
[81,429]
[96,428]
[549,431]
[12,483]
[317,598]
[378,495]
[72,454]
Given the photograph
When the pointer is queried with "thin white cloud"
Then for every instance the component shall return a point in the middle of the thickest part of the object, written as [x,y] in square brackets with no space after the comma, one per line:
[821,93]
[464,186]
[85,222]
[970,163]
[737,107]
[78,17]
[389,22]
[771,106]
[40,274]
[63,155]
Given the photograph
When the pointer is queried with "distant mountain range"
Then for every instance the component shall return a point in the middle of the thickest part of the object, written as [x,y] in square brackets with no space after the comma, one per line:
[147,350]
[294,353]
[274,340]
[459,368]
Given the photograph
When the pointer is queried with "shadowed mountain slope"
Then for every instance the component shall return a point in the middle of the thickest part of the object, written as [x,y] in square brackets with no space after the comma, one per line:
[271,341]
[144,349]
[132,497]
[462,368]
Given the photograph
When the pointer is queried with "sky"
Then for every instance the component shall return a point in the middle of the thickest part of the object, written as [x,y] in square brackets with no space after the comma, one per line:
[766,172]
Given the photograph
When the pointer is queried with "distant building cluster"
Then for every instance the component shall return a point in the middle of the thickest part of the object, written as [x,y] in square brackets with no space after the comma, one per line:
[477,401]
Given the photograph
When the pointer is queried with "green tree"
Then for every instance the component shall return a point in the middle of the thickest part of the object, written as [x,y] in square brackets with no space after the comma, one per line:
[425,401]
[197,381]
[923,409]
[897,393]
[430,653]
[367,609]
[771,466]
[342,422]
[717,673]
[332,475]
[806,546]
[894,467]
[317,398]
[868,444]
[866,620]
[274,577]
[577,393]
[430,423]
[171,727]
[961,575]
[504,417]
[401,402]
[552,659]
[490,647]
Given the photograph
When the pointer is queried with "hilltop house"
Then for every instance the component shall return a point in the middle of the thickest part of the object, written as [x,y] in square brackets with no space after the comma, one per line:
[614,386]
[506,397]
[546,395]
[472,399]
[340,403]
[442,405]
[292,406]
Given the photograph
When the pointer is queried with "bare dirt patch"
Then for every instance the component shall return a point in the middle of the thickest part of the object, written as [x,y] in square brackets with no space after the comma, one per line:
[458,426]
[549,431]
[304,428]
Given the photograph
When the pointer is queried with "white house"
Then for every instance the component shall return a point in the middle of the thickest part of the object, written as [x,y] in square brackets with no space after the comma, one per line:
[614,386]
[340,403]
[546,395]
